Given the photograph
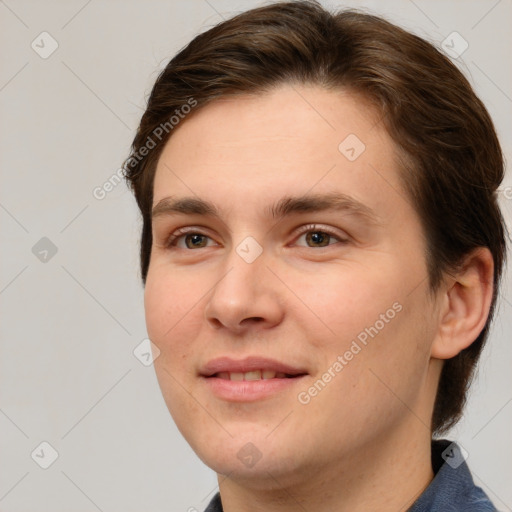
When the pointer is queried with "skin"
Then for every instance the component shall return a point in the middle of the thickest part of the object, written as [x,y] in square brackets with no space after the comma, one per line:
[303,304]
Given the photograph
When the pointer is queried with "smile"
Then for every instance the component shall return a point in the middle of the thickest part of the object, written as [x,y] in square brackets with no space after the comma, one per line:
[250,379]
[252,375]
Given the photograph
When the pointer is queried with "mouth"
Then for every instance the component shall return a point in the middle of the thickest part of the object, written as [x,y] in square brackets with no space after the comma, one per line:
[254,375]
[250,379]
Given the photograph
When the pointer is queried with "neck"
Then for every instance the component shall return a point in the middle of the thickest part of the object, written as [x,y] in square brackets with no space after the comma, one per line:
[385,475]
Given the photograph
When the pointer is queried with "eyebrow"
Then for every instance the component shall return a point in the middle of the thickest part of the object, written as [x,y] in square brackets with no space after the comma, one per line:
[284,207]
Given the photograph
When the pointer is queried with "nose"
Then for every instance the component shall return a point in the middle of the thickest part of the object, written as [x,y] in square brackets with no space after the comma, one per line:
[247,295]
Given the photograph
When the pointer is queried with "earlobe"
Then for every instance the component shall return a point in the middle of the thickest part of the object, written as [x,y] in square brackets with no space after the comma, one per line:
[465,305]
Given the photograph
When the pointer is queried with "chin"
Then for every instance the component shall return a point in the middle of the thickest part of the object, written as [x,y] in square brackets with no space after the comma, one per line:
[258,460]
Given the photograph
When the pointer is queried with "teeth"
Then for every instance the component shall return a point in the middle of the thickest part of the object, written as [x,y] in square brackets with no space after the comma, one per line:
[252,375]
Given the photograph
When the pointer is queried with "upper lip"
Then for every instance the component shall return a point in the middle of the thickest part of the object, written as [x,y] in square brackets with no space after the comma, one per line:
[228,364]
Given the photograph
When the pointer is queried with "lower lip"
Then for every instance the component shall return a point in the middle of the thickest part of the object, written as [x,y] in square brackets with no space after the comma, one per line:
[249,390]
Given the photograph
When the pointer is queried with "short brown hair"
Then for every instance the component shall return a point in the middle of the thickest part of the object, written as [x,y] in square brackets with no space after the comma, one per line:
[453,163]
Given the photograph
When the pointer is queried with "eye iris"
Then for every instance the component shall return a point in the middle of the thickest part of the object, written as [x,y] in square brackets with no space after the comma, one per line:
[318,238]
[195,240]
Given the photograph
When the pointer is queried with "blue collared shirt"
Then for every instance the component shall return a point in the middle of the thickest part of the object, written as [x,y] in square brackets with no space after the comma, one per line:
[451,490]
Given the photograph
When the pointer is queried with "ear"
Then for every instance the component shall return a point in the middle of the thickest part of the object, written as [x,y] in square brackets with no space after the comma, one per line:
[464,304]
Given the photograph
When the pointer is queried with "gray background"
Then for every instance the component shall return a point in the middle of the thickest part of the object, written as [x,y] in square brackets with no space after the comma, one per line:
[70,323]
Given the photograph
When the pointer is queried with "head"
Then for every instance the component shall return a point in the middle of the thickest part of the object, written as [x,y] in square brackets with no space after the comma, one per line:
[251,132]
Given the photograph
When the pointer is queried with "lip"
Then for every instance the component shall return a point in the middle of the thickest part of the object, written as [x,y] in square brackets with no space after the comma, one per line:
[249,390]
[248,364]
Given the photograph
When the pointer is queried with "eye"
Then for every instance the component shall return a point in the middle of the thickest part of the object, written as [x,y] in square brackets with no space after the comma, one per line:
[313,237]
[188,239]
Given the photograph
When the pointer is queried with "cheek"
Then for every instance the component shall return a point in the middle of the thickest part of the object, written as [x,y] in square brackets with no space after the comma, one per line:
[171,302]
[169,308]
[345,300]
[373,322]
[381,380]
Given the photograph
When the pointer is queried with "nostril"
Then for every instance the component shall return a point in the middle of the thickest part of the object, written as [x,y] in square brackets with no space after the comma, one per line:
[215,322]
[254,319]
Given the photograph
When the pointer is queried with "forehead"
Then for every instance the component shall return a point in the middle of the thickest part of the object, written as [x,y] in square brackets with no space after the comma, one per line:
[294,138]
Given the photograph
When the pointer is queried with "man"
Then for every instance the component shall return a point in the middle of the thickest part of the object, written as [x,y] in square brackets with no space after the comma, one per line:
[321,253]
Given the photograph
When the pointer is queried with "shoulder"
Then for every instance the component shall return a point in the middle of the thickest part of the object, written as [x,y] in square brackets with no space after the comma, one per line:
[453,488]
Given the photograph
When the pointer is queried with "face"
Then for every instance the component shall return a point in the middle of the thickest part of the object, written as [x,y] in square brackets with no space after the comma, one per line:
[287,290]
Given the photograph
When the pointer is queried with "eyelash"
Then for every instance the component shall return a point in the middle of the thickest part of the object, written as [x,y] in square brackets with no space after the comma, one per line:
[175,237]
